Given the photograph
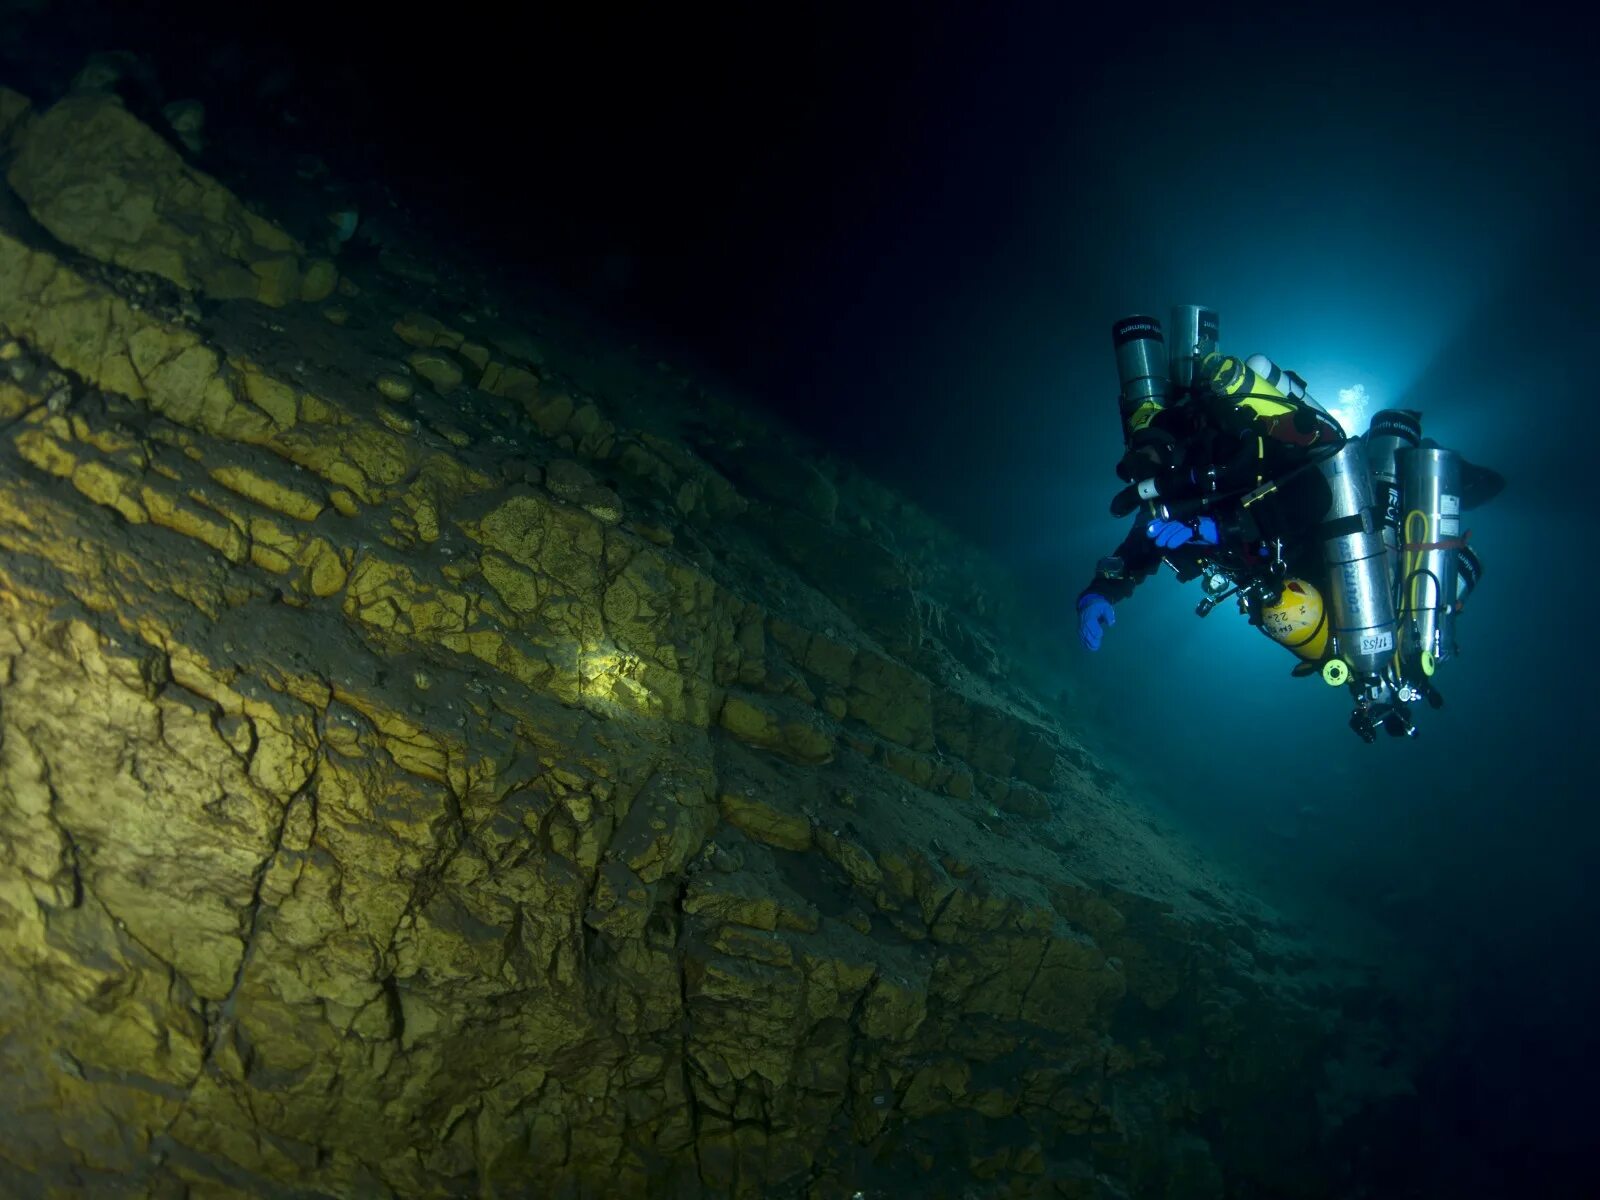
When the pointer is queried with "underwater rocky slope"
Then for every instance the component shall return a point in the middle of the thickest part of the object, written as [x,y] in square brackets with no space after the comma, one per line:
[441,761]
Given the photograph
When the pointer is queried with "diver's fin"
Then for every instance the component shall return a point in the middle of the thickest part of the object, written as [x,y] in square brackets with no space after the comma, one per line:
[1302,669]
[1479,485]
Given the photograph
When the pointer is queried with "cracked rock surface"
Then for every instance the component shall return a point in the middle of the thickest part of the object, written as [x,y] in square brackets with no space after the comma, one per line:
[441,757]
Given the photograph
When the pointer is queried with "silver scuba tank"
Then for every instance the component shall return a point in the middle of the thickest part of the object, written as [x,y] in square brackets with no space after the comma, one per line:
[1141,370]
[1430,539]
[1194,335]
[1390,431]
[1358,566]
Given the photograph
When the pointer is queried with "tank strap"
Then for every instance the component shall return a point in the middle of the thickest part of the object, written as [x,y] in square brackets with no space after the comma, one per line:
[1446,544]
[1343,527]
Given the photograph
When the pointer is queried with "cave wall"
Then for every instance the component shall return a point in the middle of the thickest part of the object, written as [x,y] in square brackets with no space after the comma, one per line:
[440,759]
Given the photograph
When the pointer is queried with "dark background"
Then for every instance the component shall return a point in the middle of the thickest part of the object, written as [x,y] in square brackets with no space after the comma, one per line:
[906,229]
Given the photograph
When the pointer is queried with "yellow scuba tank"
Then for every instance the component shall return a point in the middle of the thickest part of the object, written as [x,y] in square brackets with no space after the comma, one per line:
[1231,378]
[1298,620]
[1282,416]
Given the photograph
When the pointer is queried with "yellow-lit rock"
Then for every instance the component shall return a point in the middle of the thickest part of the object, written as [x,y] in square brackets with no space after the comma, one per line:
[800,738]
[395,387]
[106,485]
[272,396]
[438,367]
[318,281]
[269,493]
[45,452]
[107,185]
[179,516]
[419,329]
[767,823]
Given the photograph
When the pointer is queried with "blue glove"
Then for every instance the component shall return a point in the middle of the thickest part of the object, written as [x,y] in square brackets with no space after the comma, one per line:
[1094,614]
[1170,534]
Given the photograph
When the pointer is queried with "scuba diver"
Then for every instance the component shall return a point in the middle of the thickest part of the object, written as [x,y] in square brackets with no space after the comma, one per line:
[1346,550]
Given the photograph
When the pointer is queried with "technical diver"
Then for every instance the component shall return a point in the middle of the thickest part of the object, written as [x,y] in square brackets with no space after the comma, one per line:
[1346,550]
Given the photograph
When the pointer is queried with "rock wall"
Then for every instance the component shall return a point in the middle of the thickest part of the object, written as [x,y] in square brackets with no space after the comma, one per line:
[439,760]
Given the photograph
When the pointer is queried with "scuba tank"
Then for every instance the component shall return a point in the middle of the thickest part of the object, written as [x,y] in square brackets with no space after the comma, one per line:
[1298,621]
[1286,382]
[1430,531]
[1152,444]
[1231,379]
[1194,335]
[1142,371]
[1391,431]
[1360,596]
